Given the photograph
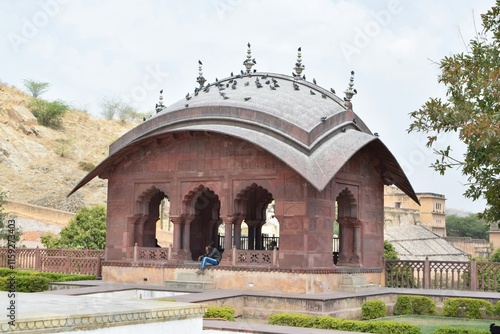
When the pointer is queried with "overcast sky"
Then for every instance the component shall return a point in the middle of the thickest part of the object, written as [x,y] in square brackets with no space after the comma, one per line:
[94,49]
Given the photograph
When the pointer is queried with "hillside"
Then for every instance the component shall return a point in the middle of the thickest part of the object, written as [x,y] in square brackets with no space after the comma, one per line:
[39,165]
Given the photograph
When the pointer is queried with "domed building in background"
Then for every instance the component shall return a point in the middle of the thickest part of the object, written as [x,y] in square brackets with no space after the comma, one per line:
[221,155]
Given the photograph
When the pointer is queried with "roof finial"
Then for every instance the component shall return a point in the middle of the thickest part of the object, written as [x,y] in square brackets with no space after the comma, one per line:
[249,62]
[200,79]
[350,92]
[299,67]
[159,106]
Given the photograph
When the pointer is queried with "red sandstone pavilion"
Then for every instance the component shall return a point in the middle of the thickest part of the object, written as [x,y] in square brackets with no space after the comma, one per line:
[221,155]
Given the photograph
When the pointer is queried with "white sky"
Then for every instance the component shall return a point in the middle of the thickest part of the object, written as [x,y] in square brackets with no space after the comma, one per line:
[128,49]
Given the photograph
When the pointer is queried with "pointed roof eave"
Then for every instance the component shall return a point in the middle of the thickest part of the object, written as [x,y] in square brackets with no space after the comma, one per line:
[318,168]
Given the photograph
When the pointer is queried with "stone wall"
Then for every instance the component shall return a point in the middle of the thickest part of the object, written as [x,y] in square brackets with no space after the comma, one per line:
[39,213]
[287,281]
[474,247]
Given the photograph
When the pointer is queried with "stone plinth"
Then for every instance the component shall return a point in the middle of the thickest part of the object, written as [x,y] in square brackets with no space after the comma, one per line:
[241,278]
[356,283]
[50,313]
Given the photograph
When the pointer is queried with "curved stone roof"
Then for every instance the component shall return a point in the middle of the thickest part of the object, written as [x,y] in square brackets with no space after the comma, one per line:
[306,126]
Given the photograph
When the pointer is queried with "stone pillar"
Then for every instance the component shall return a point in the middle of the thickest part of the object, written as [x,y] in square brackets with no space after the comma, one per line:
[356,256]
[132,229]
[252,226]
[343,255]
[139,230]
[177,221]
[212,232]
[228,233]
[186,235]
[237,232]
[258,234]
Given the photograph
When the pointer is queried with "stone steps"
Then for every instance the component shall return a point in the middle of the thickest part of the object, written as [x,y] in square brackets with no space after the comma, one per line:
[189,285]
[356,283]
[190,280]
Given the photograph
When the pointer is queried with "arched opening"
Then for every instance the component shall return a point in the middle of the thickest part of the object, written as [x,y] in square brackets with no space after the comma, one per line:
[253,203]
[143,227]
[149,234]
[349,229]
[164,225]
[204,221]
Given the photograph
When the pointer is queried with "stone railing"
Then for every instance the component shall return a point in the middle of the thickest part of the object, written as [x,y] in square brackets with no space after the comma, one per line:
[258,258]
[149,253]
[452,275]
[255,257]
[69,261]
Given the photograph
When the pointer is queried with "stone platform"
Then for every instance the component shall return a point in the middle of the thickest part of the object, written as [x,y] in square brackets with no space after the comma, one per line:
[57,313]
[192,281]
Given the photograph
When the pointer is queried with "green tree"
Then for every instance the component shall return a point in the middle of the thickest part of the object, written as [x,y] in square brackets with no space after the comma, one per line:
[36,88]
[87,230]
[390,252]
[49,114]
[9,232]
[472,110]
[495,257]
[469,226]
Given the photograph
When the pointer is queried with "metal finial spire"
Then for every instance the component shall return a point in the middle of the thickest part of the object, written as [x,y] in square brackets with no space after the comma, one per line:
[159,106]
[350,92]
[249,62]
[299,67]
[200,79]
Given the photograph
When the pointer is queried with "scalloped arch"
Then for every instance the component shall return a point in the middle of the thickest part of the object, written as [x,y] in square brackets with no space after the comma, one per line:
[142,201]
[347,205]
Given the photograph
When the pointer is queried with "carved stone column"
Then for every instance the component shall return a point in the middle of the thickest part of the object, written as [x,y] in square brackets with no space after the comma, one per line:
[258,234]
[212,231]
[343,242]
[132,222]
[186,235]
[237,232]
[252,226]
[356,256]
[228,234]
[139,230]
[177,221]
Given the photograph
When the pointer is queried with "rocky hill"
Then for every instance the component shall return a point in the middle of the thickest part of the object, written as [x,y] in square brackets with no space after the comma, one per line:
[39,165]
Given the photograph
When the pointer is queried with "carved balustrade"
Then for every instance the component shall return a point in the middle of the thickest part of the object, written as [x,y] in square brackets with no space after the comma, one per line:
[71,261]
[449,275]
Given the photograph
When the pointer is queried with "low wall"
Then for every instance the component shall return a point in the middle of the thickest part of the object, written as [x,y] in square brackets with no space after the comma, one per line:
[264,279]
[473,247]
[39,213]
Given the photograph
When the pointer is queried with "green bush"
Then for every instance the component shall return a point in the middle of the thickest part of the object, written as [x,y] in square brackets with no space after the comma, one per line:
[49,114]
[223,312]
[25,283]
[5,272]
[496,309]
[325,322]
[373,309]
[470,306]
[414,305]
[35,281]
[454,330]
[403,305]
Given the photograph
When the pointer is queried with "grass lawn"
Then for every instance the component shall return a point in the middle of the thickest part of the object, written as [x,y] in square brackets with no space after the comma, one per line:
[429,324]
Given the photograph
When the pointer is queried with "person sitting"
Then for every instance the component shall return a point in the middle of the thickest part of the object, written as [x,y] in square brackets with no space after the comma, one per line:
[212,256]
